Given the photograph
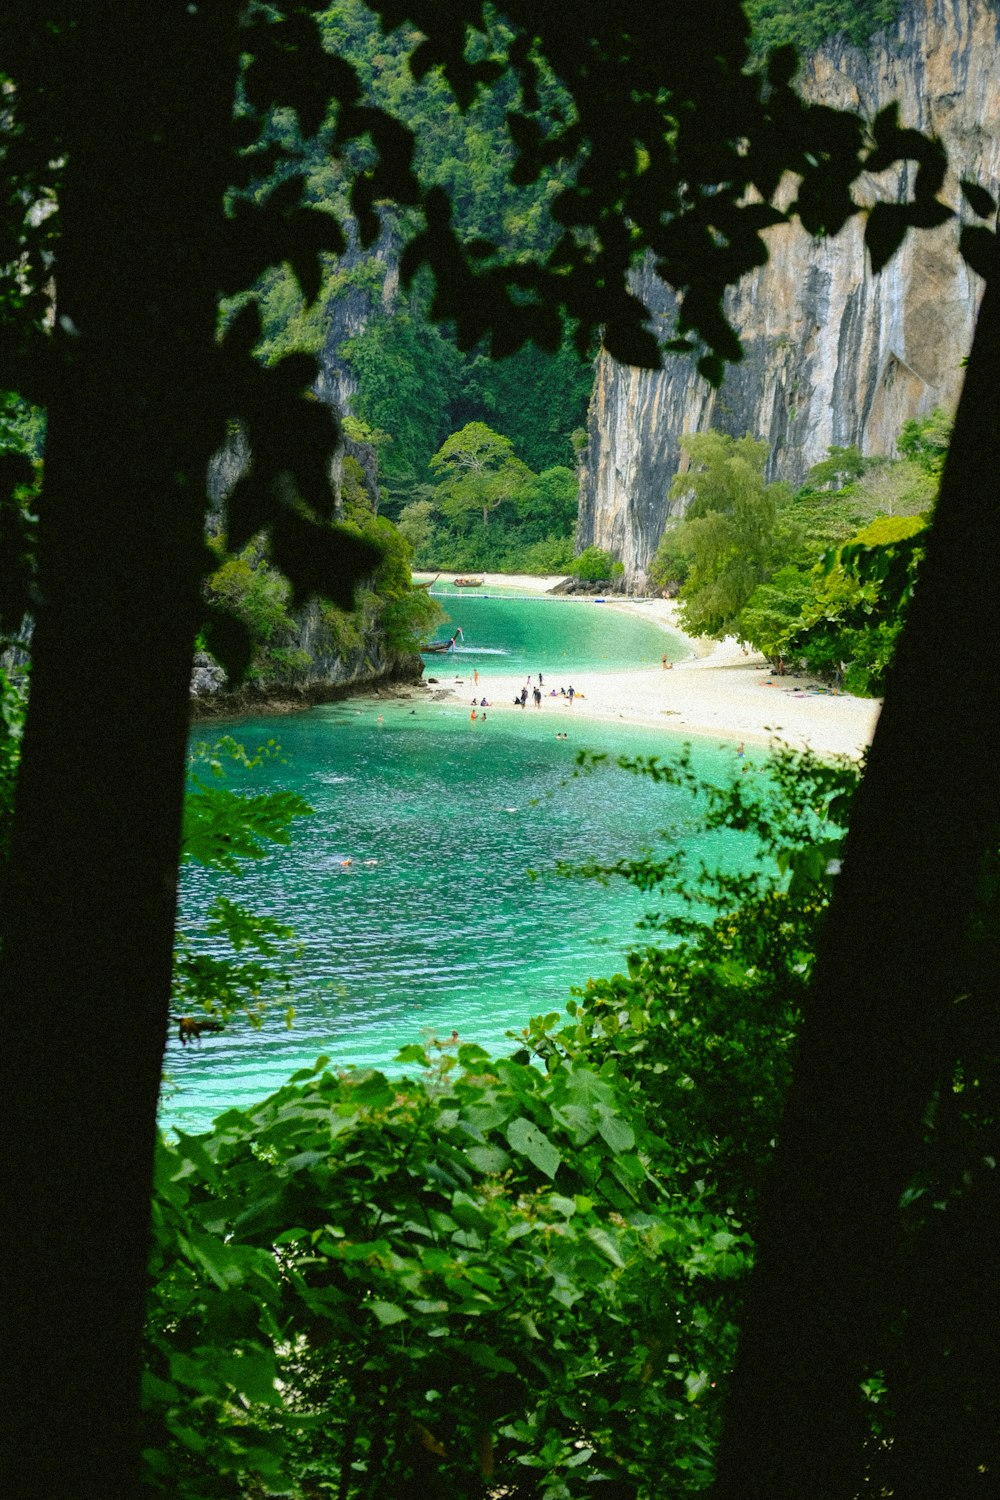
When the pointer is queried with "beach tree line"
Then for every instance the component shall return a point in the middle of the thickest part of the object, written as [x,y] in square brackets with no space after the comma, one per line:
[820,577]
[482,507]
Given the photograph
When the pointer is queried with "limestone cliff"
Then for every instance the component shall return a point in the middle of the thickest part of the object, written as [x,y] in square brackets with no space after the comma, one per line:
[833,355]
[325,672]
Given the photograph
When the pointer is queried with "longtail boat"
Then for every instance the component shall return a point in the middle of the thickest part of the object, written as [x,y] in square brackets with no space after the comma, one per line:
[435,648]
[468,583]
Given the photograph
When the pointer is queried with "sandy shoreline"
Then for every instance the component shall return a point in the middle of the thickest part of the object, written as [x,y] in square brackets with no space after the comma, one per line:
[717,690]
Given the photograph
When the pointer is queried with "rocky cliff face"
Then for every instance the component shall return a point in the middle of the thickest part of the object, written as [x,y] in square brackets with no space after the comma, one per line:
[328,674]
[833,355]
[347,312]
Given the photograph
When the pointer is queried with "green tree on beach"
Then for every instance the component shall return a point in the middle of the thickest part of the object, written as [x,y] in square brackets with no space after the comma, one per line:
[819,575]
[145,180]
[723,546]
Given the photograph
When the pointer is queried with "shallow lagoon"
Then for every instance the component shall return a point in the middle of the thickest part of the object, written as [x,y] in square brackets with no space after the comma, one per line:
[561,638]
[446,931]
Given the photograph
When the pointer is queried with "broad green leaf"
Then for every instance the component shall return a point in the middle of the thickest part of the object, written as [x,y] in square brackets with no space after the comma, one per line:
[253,1375]
[602,1239]
[386,1312]
[488,1359]
[155,1389]
[618,1134]
[483,1117]
[413,1053]
[526,1138]
[488,1159]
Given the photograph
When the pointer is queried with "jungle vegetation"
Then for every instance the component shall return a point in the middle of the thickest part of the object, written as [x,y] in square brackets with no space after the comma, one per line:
[821,577]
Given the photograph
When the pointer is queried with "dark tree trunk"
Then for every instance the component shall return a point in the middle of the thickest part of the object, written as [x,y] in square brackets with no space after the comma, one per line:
[873,1045]
[145,92]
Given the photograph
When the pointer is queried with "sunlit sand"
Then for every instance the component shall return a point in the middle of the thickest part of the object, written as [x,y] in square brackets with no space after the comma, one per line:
[717,689]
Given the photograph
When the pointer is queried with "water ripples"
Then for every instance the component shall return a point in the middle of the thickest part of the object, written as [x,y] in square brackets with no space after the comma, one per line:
[434,924]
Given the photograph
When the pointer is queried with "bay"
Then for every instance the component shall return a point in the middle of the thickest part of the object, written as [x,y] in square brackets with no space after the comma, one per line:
[435,924]
[561,638]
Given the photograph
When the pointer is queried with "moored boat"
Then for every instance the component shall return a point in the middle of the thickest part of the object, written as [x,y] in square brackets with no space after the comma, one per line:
[435,648]
[468,583]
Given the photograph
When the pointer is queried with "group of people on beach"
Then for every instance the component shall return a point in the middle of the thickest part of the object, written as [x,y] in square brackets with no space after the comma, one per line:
[531,687]
[521,699]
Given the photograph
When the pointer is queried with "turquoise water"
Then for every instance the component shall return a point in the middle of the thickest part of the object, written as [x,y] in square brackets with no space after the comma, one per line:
[443,929]
[560,638]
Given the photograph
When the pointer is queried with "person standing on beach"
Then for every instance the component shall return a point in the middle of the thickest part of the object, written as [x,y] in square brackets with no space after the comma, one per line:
[570,694]
[537,695]
[475,676]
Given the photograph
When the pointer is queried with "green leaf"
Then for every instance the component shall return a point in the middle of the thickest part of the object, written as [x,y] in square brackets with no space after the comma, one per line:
[488,1159]
[525,1138]
[618,1134]
[251,1374]
[602,1239]
[413,1053]
[155,1389]
[386,1312]
[488,1359]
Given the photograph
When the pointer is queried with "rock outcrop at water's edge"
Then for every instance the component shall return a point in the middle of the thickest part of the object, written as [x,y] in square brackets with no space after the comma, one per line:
[326,678]
[833,354]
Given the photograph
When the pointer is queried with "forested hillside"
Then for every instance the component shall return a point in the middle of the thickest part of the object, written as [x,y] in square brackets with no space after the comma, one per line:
[401,373]
[409,383]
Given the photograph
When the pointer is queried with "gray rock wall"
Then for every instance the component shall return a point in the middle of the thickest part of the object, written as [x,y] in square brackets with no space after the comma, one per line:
[833,355]
[329,673]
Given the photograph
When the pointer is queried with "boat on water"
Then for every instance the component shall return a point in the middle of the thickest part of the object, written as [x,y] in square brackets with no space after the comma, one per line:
[468,583]
[437,648]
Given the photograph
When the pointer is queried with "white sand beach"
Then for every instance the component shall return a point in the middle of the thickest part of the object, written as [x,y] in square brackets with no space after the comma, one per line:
[716,690]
